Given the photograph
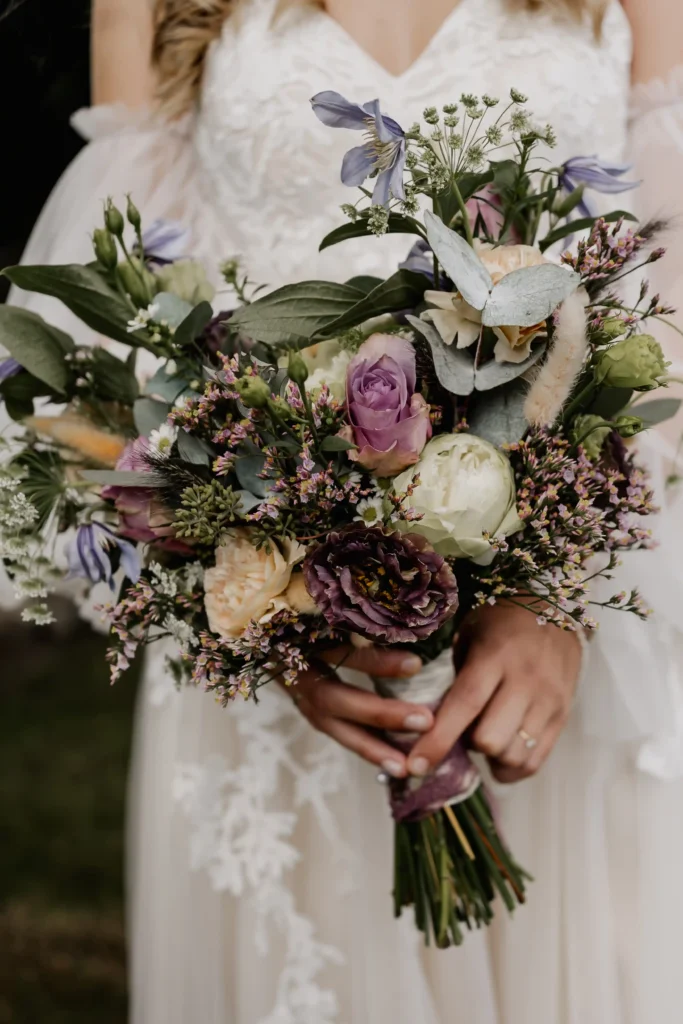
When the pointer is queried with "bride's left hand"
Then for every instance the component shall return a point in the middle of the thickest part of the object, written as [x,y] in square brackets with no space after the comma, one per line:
[514,687]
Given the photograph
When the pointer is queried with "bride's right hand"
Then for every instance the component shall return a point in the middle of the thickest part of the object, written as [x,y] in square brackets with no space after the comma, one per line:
[352,716]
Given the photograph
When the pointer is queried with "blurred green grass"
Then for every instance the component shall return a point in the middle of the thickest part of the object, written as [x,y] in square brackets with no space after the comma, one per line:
[64,747]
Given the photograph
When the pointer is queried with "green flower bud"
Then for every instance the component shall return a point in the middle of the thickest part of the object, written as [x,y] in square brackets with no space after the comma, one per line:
[612,328]
[253,391]
[137,281]
[297,369]
[133,214]
[563,206]
[629,426]
[113,219]
[591,432]
[637,362]
[105,248]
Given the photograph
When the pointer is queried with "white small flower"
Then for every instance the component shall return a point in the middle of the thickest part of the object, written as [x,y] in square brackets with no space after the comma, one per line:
[181,403]
[181,631]
[30,586]
[171,368]
[370,511]
[18,513]
[39,614]
[162,440]
[166,582]
[144,316]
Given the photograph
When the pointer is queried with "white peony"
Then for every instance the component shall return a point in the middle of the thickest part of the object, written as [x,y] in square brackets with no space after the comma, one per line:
[248,584]
[453,317]
[327,363]
[466,489]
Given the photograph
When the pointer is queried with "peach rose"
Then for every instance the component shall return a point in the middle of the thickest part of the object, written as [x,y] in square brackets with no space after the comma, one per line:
[453,317]
[247,583]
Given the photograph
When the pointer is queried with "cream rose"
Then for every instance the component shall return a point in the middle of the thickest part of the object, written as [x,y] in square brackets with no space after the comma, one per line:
[327,363]
[466,489]
[453,317]
[248,584]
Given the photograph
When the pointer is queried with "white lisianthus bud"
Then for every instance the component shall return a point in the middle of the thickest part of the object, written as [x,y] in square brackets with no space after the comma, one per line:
[466,489]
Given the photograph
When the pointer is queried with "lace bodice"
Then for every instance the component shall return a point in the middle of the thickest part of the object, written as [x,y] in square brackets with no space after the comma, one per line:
[270,170]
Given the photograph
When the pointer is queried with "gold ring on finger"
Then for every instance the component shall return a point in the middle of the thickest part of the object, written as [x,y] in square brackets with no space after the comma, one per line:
[529,741]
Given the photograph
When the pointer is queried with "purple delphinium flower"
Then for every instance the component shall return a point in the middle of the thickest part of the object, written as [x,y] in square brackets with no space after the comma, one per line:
[384,151]
[165,241]
[9,368]
[389,587]
[596,175]
[89,554]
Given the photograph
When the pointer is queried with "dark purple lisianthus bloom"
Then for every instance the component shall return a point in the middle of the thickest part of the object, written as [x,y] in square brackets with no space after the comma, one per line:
[89,555]
[392,587]
[385,150]
[217,337]
[389,422]
[596,175]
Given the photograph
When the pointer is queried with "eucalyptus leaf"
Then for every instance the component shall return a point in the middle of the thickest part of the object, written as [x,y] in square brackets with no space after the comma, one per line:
[397,225]
[336,444]
[86,293]
[192,449]
[149,415]
[499,418]
[293,314]
[494,374]
[248,501]
[656,411]
[528,296]
[123,478]
[460,262]
[171,309]
[579,226]
[165,385]
[39,347]
[247,470]
[403,290]
[193,324]
[454,367]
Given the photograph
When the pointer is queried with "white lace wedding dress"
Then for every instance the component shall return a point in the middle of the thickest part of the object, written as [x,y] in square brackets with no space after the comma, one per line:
[260,853]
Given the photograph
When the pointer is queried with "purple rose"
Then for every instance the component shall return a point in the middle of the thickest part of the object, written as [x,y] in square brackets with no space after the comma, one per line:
[389,421]
[142,517]
[392,588]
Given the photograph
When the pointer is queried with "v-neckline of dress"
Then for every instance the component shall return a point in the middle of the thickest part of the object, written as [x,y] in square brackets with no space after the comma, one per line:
[350,41]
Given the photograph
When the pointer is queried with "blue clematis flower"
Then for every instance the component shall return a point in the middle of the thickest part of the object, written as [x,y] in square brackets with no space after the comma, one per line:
[596,175]
[384,151]
[89,555]
[9,368]
[165,241]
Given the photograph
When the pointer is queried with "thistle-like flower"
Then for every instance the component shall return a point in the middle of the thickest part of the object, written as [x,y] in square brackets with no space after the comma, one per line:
[89,555]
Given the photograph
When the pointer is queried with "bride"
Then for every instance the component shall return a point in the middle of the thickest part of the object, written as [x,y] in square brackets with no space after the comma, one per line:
[259,848]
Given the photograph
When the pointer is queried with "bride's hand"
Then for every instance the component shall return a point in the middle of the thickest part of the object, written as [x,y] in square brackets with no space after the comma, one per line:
[514,688]
[350,715]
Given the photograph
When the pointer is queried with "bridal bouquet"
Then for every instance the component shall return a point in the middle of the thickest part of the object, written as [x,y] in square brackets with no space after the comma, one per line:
[366,461]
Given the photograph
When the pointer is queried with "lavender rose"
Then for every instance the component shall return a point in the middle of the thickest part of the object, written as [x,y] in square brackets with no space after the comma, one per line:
[389,421]
[389,587]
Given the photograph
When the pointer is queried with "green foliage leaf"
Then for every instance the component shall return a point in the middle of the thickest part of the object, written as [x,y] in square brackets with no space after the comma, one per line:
[193,324]
[165,385]
[293,314]
[494,374]
[500,417]
[364,283]
[172,309]
[529,296]
[454,367]
[39,347]
[609,401]
[149,415]
[85,292]
[403,290]
[113,379]
[247,470]
[460,262]
[336,444]
[192,449]
[656,411]
[579,226]
[398,225]
[20,391]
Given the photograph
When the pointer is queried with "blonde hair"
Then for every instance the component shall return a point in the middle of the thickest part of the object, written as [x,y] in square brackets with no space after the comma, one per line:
[183,30]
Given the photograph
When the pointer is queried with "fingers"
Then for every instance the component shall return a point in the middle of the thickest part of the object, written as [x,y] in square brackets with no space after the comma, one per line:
[497,731]
[363,743]
[329,699]
[508,774]
[469,695]
[375,661]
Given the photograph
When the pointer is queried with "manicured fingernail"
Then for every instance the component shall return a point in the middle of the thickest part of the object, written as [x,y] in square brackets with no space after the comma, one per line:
[411,664]
[394,768]
[416,723]
[419,766]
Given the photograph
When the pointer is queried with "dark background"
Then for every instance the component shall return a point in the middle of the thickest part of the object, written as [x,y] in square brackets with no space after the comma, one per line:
[64,733]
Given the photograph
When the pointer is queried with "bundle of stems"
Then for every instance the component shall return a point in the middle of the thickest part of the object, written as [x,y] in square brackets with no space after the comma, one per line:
[450,866]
